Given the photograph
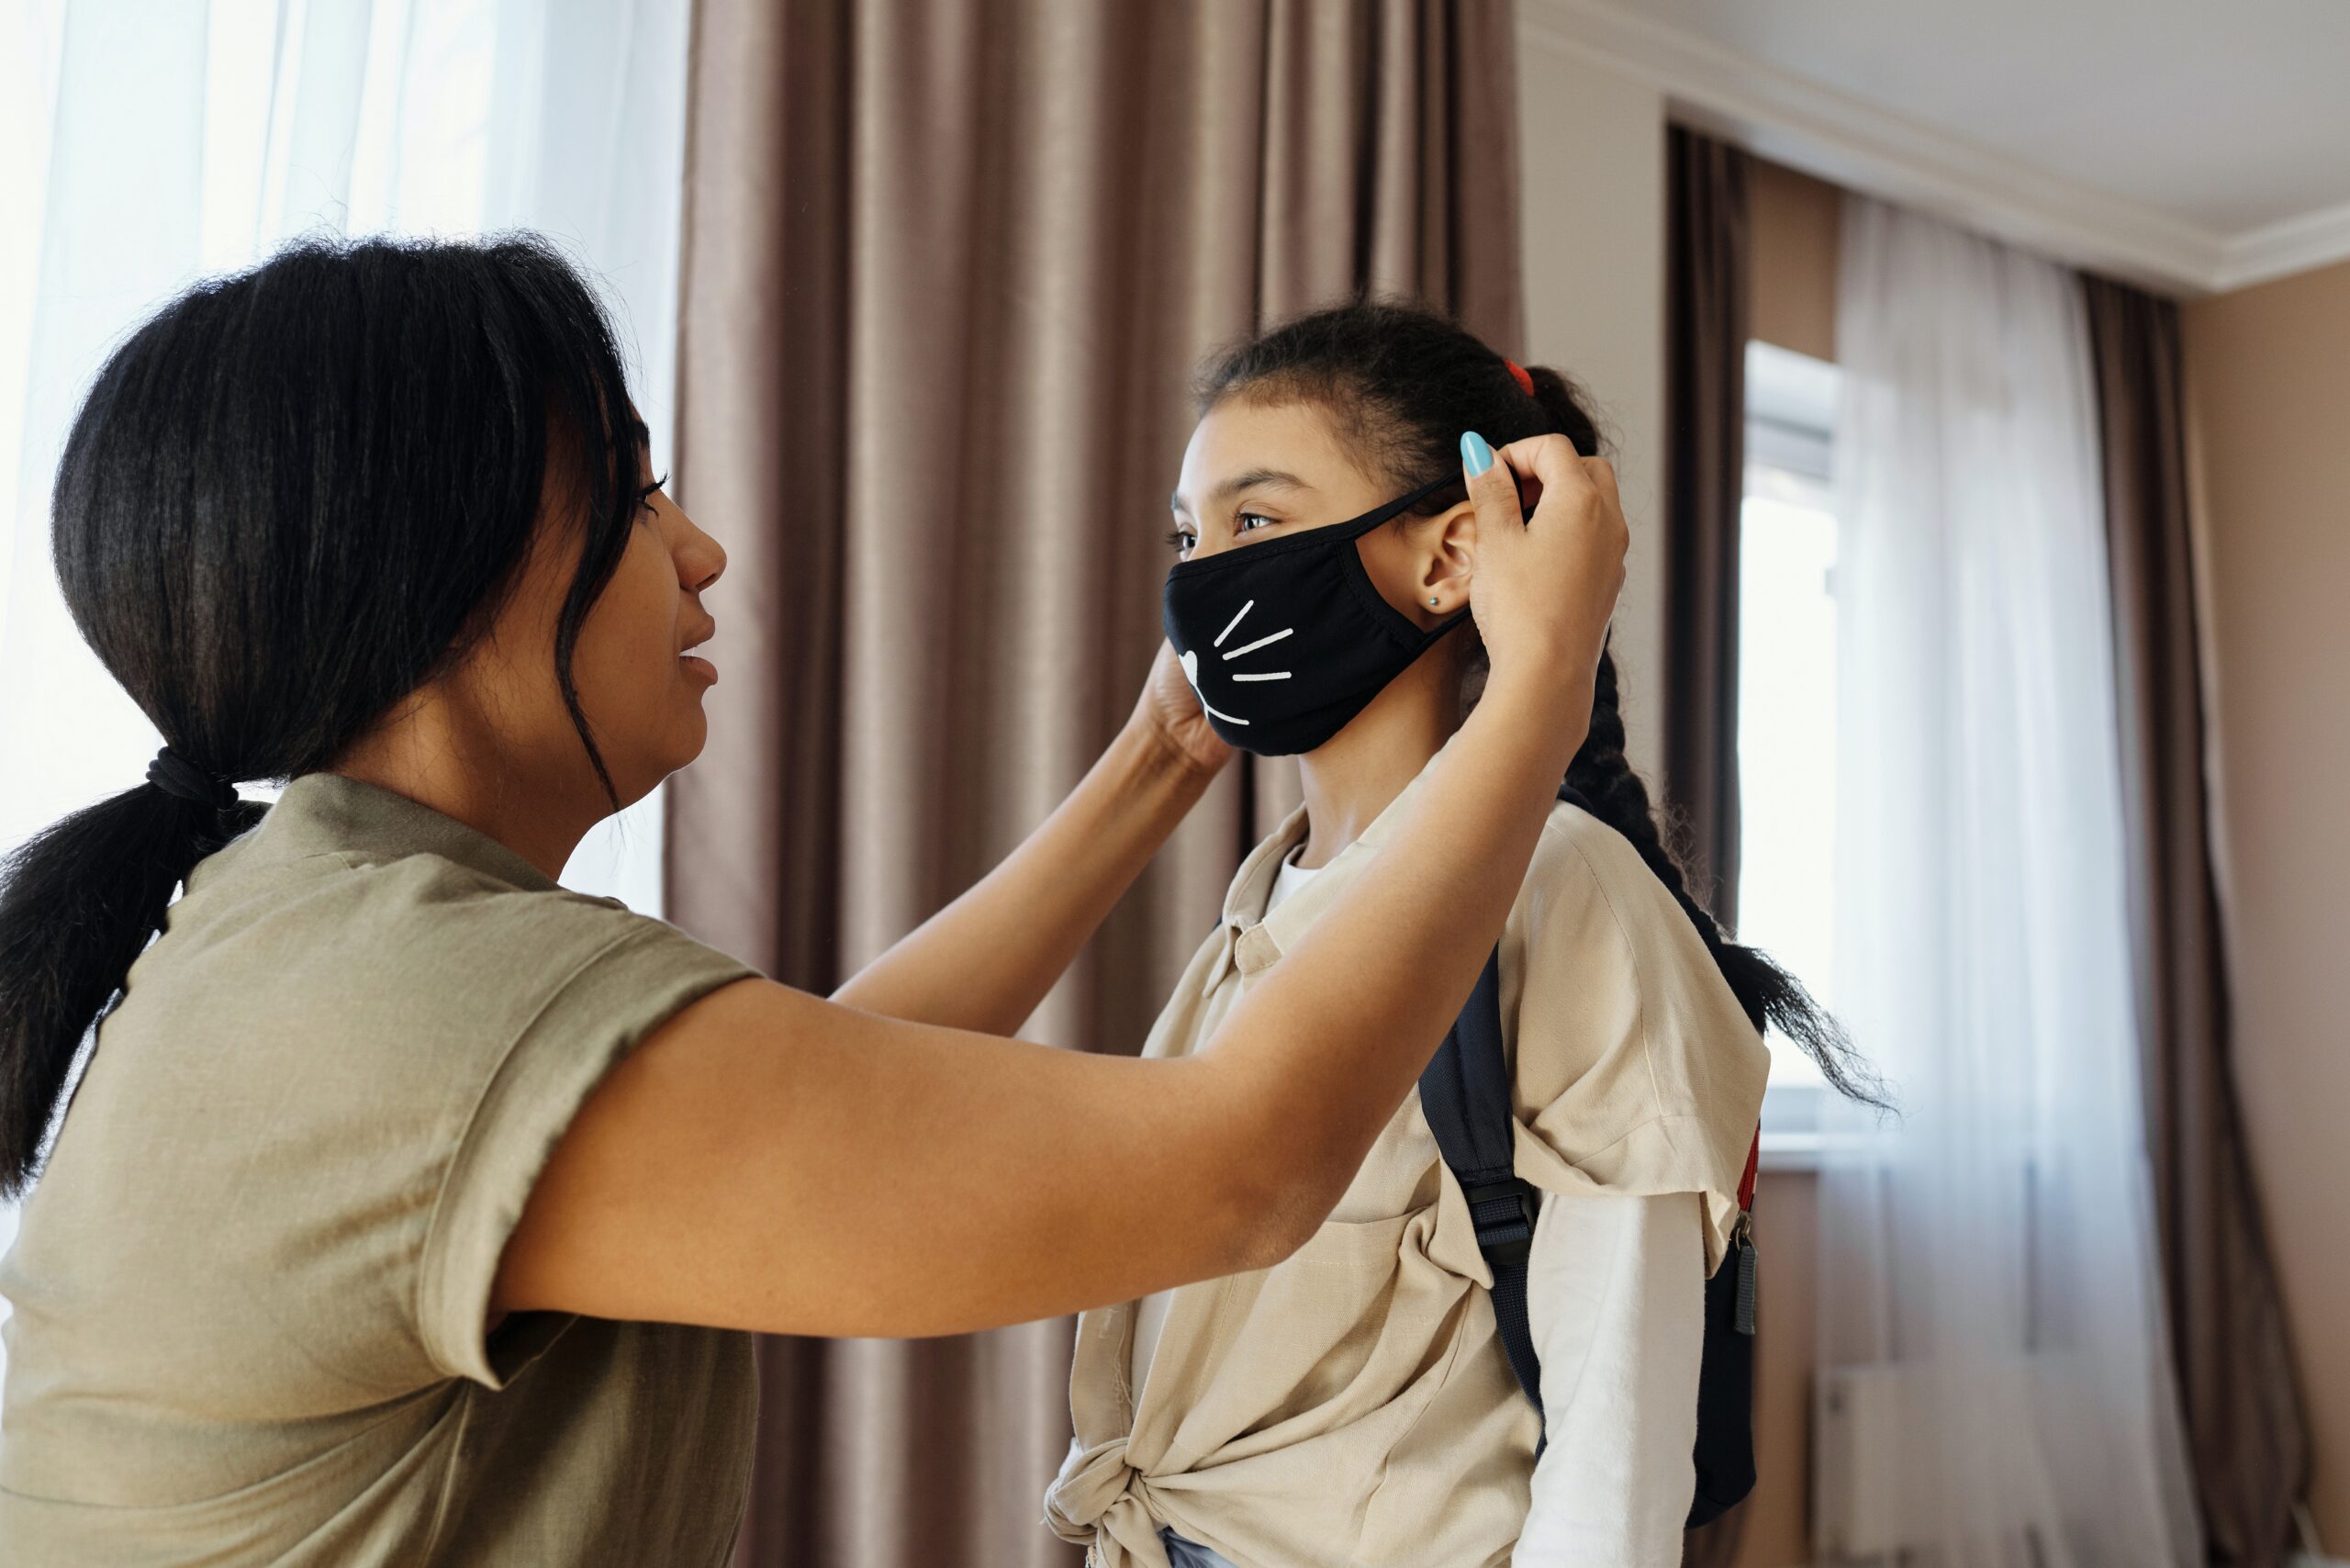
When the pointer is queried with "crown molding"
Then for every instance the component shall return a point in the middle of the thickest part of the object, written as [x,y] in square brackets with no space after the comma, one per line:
[2296,245]
[1828,132]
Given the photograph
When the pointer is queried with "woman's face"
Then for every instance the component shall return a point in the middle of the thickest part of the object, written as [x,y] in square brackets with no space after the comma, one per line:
[640,681]
[1257,471]
[640,684]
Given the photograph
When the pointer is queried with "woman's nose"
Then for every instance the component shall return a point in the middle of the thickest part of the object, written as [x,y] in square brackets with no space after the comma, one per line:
[701,560]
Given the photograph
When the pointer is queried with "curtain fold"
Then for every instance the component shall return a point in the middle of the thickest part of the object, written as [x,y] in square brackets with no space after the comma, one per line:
[1706,313]
[1988,1261]
[948,267]
[2247,1438]
[1707,307]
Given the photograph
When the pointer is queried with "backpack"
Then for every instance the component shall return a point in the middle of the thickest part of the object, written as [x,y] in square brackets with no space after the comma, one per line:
[1465,1096]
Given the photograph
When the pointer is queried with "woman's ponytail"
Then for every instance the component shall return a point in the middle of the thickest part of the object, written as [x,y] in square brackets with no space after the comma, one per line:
[78,902]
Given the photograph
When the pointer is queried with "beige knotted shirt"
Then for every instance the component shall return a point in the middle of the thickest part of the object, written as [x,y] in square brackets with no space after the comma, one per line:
[1351,1405]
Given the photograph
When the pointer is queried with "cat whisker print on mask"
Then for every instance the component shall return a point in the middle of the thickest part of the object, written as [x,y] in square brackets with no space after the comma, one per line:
[1251,647]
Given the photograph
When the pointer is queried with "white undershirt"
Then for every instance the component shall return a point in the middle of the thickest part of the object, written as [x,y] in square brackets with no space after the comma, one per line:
[1616,1297]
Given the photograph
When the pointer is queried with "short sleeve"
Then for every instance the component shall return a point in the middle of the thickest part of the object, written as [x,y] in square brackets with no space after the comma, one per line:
[1637,1071]
[620,989]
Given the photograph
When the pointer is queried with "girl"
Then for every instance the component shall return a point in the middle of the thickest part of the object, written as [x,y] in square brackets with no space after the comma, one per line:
[410,1209]
[1351,1405]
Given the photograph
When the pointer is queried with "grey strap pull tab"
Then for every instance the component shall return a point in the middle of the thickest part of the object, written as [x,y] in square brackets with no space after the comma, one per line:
[1743,1240]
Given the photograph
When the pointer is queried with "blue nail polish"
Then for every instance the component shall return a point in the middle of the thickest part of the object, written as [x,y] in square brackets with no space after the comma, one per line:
[1475,455]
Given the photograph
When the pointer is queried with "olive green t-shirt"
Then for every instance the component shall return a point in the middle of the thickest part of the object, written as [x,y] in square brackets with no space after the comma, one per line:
[250,1288]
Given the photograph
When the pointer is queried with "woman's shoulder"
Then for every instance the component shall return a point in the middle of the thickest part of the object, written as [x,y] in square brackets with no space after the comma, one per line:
[452,958]
[389,905]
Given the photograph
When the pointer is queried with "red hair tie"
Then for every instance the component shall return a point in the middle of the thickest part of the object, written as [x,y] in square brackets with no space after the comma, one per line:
[1518,373]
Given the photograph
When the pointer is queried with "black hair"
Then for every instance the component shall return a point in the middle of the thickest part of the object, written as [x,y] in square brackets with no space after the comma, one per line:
[290,499]
[1402,383]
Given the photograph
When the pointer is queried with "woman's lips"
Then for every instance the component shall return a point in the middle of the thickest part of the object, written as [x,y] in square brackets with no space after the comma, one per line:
[694,662]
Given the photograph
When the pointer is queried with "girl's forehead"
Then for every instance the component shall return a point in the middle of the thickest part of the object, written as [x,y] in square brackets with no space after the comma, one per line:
[1240,437]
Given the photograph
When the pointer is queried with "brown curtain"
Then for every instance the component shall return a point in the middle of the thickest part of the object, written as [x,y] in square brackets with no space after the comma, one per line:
[1705,329]
[948,264]
[2245,1432]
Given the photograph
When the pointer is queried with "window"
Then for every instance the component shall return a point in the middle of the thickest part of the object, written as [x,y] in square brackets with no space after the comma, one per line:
[1786,707]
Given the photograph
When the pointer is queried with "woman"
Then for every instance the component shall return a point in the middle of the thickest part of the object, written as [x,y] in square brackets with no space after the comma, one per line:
[410,1209]
[1352,1406]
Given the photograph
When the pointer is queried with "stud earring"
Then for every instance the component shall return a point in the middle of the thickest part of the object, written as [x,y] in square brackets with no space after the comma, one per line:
[1431,601]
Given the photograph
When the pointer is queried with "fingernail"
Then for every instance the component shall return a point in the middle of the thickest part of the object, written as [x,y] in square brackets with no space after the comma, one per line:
[1475,455]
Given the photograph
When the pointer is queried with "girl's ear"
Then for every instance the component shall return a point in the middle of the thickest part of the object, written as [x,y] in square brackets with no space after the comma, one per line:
[1450,561]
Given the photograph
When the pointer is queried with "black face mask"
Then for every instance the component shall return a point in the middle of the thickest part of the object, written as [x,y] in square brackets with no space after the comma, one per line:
[1287,640]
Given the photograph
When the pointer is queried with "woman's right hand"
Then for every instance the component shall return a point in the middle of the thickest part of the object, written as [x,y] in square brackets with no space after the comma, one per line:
[1545,585]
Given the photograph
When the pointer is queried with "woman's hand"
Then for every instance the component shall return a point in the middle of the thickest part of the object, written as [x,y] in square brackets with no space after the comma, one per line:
[1545,586]
[1168,711]
[985,961]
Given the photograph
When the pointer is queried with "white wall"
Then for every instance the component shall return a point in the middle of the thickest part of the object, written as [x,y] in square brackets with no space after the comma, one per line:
[1592,186]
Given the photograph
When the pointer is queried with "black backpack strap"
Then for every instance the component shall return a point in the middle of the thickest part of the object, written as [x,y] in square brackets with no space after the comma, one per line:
[1465,1096]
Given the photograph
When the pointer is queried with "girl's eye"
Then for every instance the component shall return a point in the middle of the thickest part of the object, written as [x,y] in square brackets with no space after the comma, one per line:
[1180,542]
[1250,521]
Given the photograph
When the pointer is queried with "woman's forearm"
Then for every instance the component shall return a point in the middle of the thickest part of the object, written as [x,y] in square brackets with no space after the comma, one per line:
[985,962]
[1348,1019]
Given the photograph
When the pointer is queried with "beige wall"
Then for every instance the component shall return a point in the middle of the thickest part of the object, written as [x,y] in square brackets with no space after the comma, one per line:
[1786,1236]
[2268,376]
[1797,223]
[1592,192]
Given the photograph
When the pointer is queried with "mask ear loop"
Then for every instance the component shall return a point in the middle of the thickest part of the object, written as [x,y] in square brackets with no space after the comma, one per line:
[1358,527]
[1355,528]
[1406,633]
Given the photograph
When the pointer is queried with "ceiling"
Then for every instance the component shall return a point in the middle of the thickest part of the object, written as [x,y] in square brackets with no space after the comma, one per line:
[2222,124]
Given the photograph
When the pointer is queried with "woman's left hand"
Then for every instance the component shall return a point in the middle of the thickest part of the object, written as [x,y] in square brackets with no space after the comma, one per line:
[1169,710]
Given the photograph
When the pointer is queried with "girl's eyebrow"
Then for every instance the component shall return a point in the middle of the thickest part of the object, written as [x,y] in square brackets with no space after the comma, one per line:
[1253,479]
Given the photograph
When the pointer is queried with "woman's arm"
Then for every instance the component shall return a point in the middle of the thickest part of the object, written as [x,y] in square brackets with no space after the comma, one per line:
[769,1160]
[1616,1297]
[985,961]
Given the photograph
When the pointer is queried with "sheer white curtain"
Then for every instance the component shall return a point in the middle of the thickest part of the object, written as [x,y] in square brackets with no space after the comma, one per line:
[1988,1258]
[152,142]
[149,143]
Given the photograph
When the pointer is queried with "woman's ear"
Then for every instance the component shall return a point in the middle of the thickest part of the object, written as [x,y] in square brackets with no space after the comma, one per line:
[1450,563]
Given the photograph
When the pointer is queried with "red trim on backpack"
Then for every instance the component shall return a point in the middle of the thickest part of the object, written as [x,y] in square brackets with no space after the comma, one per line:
[1753,1169]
